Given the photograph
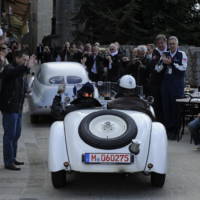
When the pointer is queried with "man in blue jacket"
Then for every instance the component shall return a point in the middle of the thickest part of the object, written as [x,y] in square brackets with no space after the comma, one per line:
[175,64]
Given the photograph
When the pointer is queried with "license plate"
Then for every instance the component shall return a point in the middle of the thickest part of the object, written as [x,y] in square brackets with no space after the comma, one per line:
[107,158]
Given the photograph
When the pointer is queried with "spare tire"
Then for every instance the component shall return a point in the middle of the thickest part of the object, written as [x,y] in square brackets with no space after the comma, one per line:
[107,129]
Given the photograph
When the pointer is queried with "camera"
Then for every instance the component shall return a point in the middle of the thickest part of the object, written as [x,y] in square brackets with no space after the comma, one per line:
[136,60]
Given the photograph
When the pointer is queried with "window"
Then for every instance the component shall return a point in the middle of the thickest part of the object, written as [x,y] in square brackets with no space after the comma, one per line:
[73,80]
[57,80]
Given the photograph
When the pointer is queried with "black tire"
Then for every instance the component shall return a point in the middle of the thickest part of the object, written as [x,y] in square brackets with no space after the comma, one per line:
[107,143]
[34,119]
[157,180]
[58,179]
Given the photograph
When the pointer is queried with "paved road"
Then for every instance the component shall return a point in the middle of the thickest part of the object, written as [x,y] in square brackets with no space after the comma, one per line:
[33,181]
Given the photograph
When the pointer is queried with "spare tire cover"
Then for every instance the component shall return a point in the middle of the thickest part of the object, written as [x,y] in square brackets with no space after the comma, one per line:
[107,129]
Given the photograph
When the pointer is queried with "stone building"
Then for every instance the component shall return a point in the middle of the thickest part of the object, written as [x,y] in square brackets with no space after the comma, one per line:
[41,14]
[63,12]
[53,18]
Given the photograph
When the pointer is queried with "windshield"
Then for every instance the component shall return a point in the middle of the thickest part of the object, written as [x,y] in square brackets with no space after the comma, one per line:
[102,90]
[73,79]
[108,90]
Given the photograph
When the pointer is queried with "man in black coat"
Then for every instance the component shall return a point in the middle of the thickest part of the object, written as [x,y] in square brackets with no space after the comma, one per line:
[11,104]
[139,68]
[39,52]
[84,100]
[95,64]
[114,63]
[156,74]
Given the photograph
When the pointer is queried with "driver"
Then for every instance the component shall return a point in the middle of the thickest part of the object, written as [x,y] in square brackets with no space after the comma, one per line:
[128,99]
[84,100]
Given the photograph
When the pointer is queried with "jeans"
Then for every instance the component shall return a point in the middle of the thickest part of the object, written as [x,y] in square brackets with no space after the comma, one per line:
[12,132]
[194,127]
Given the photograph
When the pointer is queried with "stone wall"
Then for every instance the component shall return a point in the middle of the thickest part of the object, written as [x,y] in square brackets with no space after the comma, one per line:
[193,71]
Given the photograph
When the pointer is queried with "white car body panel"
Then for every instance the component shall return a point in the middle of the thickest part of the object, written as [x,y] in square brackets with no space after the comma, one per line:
[158,149]
[153,146]
[57,147]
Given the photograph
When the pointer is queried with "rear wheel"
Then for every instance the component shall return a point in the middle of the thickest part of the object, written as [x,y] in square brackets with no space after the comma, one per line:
[58,179]
[157,180]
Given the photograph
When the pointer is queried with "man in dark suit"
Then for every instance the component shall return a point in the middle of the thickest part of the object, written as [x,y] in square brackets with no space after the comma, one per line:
[138,67]
[95,65]
[114,63]
[156,74]
[39,52]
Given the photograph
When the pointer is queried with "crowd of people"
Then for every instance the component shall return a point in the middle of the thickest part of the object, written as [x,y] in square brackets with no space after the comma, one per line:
[159,69]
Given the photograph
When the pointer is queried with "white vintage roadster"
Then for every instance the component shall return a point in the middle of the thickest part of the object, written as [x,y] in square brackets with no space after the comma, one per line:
[107,141]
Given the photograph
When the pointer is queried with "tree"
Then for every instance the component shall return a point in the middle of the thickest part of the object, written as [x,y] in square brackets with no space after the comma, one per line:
[107,21]
[137,21]
[173,17]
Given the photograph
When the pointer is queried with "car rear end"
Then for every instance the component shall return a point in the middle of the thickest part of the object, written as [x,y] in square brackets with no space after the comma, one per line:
[95,155]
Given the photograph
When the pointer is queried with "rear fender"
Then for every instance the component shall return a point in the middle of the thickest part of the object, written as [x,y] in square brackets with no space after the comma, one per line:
[57,147]
[157,149]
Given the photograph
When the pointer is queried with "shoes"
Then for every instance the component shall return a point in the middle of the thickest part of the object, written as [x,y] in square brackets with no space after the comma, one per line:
[18,163]
[12,167]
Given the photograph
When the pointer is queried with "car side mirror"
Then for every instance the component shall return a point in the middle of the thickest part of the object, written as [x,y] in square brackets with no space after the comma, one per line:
[150,99]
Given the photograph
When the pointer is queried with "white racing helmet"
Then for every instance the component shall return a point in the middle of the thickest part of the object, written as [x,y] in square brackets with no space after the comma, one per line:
[127,82]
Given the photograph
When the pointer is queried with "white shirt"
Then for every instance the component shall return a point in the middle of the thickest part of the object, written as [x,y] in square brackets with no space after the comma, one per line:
[173,54]
[159,67]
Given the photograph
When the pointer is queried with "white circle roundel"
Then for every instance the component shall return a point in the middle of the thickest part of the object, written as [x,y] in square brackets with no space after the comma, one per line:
[107,126]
